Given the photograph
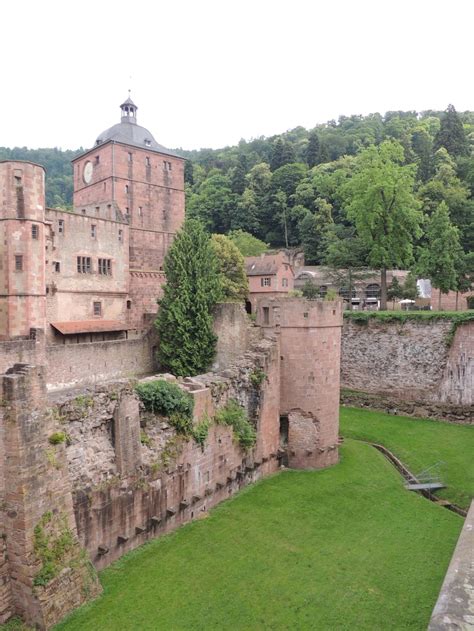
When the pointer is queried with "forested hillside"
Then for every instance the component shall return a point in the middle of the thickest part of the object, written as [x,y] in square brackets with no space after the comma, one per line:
[306,187]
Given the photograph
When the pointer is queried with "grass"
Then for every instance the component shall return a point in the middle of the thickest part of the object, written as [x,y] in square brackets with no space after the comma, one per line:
[420,443]
[342,548]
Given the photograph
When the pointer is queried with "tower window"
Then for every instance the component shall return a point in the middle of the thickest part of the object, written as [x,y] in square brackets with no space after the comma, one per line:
[97,308]
[97,159]
[93,231]
[61,226]
[97,209]
[147,162]
[18,262]
[84,265]
[105,267]
[120,235]
[140,209]
[56,266]
[127,189]
[130,157]
[129,304]
[34,231]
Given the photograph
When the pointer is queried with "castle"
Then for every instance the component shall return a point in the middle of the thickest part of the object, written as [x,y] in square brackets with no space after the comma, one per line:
[94,273]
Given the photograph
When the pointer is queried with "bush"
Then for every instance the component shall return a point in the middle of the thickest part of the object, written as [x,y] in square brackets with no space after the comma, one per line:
[57,438]
[162,397]
[201,431]
[233,415]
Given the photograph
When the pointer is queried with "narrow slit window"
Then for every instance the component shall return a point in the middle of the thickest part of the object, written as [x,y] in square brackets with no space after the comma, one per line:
[18,262]
[34,231]
[97,306]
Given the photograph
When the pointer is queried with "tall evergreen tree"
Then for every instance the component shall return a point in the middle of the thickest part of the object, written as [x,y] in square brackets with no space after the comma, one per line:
[312,150]
[184,323]
[282,153]
[451,134]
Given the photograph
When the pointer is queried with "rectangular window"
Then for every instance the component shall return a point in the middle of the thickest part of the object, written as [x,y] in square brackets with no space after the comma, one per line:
[56,266]
[97,210]
[169,166]
[266,315]
[265,282]
[105,267]
[34,231]
[147,162]
[61,226]
[127,190]
[93,231]
[97,306]
[140,211]
[18,262]
[130,157]
[97,159]
[120,235]
[84,265]
[284,282]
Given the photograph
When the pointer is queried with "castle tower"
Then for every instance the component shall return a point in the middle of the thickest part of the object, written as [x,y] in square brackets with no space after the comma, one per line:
[127,174]
[310,355]
[22,249]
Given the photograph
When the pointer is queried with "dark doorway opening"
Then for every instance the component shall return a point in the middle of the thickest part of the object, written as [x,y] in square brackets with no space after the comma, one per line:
[248,306]
[284,439]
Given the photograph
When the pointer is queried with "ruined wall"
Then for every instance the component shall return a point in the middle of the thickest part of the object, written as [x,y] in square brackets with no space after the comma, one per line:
[408,366]
[135,478]
[46,573]
[74,365]
[233,329]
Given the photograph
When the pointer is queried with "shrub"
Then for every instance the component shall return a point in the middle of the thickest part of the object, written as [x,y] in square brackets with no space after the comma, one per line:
[233,415]
[182,423]
[57,438]
[201,430]
[162,397]
[257,377]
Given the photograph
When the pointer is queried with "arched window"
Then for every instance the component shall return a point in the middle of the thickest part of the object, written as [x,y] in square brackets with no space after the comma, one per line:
[372,291]
[344,293]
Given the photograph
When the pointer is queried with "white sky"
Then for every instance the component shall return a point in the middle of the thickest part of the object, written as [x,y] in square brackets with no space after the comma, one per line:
[206,73]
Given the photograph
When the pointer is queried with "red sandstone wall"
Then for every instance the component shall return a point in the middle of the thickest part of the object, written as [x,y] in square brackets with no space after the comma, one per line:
[449,301]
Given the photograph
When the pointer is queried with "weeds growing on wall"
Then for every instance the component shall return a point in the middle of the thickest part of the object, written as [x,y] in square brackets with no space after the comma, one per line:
[53,541]
[163,397]
[257,377]
[455,317]
[232,414]
[200,431]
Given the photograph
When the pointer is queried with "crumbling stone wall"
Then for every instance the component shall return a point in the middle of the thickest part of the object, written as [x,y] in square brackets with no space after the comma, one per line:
[48,574]
[409,366]
[134,478]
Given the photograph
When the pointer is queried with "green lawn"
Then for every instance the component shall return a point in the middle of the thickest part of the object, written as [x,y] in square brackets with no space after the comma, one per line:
[420,443]
[343,548]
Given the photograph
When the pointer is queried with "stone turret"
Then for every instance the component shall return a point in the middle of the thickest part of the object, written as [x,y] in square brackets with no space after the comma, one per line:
[22,250]
[310,343]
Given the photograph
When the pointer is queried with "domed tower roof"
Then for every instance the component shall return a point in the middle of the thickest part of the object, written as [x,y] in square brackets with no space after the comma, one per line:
[129,132]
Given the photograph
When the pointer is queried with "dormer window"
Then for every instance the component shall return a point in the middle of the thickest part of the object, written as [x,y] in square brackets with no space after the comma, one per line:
[147,142]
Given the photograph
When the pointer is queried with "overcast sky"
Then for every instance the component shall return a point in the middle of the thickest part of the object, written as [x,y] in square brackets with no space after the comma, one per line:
[207,73]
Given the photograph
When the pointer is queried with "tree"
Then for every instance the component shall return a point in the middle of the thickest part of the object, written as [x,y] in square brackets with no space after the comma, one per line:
[233,279]
[310,290]
[410,288]
[184,323]
[384,209]
[282,153]
[312,150]
[394,290]
[312,228]
[441,260]
[247,244]
[451,134]
[345,256]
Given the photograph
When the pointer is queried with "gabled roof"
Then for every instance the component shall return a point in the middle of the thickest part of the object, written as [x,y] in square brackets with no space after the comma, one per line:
[265,264]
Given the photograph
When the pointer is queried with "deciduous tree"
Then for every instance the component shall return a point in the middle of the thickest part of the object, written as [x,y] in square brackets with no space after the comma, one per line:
[231,263]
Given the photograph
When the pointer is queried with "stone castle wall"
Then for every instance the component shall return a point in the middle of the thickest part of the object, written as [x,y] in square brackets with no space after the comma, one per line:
[409,366]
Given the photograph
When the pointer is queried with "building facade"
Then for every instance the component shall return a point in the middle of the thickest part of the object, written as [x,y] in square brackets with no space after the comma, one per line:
[93,274]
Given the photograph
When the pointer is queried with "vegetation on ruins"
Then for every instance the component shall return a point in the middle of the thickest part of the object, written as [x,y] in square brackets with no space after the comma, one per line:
[419,444]
[184,323]
[231,264]
[53,543]
[234,415]
[164,397]
[286,549]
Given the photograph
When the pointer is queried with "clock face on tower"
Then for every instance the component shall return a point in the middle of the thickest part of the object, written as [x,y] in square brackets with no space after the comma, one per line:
[87,172]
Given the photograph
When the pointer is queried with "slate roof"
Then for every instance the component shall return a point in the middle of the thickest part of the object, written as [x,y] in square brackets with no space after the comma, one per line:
[129,133]
[261,266]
